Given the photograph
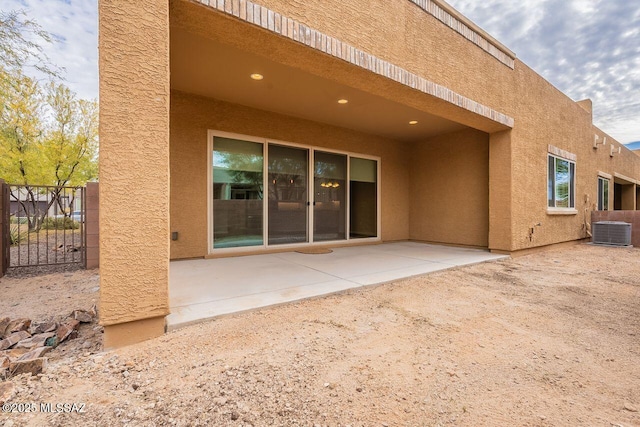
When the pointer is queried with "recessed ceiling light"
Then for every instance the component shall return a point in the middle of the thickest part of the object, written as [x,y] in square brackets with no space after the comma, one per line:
[342,101]
[257,76]
[413,122]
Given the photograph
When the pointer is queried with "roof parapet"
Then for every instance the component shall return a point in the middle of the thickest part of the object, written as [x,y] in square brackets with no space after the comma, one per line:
[455,20]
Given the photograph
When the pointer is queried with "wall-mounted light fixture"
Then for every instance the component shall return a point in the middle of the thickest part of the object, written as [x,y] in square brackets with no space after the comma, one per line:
[614,151]
[596,141]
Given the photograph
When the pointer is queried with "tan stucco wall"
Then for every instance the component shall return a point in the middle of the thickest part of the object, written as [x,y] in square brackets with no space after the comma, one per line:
[192,116]
[134,163]
[450,189]
[221,28]
[628,197]
[500,189]
[127,333]
[544,117]
[403,34]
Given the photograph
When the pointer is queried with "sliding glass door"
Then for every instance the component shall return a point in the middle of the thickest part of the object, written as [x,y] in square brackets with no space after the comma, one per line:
[237,193]
[329,196]
[311,195]
[288,195]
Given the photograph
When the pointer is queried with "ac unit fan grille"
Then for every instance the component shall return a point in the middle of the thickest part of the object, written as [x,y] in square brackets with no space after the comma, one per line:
[612,233]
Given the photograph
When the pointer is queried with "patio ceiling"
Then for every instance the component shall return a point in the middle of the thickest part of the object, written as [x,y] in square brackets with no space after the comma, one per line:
[207,67]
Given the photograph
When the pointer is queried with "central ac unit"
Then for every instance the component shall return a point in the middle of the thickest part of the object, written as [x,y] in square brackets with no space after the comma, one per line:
[612,233]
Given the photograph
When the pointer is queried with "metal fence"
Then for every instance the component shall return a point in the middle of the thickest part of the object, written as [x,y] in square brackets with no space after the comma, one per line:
[46,225]
[4,232]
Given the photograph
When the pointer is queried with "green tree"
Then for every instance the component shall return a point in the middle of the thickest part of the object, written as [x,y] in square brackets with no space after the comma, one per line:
[20,128]
[47,135]
[69,148]
[20,134]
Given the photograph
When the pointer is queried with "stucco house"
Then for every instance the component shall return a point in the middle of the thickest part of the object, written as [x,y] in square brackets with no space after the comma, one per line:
[403,119]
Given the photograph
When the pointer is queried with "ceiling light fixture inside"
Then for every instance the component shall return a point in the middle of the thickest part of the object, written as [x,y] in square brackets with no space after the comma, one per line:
[256,76]
[413,122]
[342,101]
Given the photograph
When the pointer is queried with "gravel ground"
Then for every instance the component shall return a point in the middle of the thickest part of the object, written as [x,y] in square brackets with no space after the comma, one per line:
[546,339]
[45,297]
[47,247]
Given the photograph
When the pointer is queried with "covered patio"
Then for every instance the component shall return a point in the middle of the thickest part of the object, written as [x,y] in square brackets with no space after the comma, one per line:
[265,132]
[206,288]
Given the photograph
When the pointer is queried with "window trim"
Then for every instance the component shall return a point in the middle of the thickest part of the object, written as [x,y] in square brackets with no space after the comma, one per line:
[604,207]
[561,210]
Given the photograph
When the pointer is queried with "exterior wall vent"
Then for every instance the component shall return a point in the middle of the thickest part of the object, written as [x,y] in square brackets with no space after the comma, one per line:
[612,233]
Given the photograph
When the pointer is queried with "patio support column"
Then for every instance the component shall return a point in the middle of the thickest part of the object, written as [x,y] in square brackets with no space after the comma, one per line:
[500,191]
[134,169]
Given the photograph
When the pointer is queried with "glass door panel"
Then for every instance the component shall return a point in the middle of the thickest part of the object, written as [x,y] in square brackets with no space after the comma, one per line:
[363,198]
[329,203]
[237,193]
[288,195]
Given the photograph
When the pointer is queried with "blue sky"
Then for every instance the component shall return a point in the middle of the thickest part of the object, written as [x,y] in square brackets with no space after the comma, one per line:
[586,48]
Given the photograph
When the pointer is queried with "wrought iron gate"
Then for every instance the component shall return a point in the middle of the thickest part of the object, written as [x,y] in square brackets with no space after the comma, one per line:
[4,193]
[46,226]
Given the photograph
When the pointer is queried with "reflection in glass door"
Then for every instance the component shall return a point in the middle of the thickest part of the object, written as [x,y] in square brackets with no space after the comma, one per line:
[237,193]
[288,195]
[329,202]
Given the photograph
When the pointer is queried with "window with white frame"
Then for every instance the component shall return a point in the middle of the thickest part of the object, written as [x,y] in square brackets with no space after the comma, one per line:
[561,183]
[603,194]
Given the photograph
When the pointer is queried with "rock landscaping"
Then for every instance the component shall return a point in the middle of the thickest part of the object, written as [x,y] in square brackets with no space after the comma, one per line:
[24,344]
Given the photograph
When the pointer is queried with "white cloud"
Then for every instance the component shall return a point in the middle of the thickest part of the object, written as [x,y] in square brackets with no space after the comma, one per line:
[588,49]
[74,25]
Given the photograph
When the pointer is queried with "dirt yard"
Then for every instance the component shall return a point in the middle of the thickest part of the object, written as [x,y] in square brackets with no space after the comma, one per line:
[49,246]
[551,339]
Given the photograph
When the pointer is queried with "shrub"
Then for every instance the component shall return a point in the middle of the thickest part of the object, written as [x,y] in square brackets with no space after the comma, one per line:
[14,235]
[18,220]
[59,223]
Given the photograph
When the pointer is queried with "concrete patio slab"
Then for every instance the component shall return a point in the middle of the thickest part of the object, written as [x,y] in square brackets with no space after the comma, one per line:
[203,289]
